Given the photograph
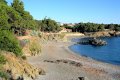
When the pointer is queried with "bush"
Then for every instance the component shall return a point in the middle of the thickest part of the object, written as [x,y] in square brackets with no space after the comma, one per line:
[8,42]
[35,48]
[2,59]
[24,57]
[2,62]
[62,35]
[4,75]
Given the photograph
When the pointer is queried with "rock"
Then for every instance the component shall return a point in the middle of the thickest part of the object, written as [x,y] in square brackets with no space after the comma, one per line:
[97,42]
[57,61]
[72,62]
[81,78]
[93,41]
[115,34]
[65,61]
[78,64]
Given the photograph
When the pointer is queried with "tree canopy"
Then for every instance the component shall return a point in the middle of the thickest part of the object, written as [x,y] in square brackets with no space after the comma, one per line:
[48,25]
[92,27]
[3,1]
[15,18]
[18,6]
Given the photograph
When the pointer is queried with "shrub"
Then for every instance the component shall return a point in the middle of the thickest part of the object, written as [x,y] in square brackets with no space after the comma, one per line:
[35,48]
[62,35]
[8,42]
[2,62]
[4,75]
[40,35]
[2,59]
[24,57]
[34,33]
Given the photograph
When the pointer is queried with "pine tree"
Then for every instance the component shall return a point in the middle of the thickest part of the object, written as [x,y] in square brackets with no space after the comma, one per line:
[3,1]
[18,6]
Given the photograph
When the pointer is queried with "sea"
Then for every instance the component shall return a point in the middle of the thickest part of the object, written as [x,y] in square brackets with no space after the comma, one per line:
[109,53]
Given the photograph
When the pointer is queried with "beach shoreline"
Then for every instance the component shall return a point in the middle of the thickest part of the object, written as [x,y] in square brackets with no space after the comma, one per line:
[57,61]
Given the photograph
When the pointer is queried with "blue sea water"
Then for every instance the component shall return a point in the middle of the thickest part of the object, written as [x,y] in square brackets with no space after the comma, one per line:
[109,53]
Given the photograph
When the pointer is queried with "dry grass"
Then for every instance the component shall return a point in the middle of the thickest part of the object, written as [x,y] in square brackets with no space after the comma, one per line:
[35,48]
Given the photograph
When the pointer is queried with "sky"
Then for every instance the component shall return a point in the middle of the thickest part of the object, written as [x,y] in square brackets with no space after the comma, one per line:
[74,11]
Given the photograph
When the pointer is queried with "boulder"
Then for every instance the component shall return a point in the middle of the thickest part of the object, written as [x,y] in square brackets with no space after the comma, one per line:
[97,42]
[93,41]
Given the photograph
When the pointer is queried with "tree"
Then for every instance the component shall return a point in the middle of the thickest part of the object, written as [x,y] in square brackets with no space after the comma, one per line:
[18,6]
[67,26]
[39,24]
[49,25]
[101,27]
[25,22]
[88,27]
[3,20]
[3,1]
[26,16]
[111,26]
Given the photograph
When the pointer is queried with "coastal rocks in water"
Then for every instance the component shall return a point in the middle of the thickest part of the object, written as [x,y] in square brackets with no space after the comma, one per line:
[93,41]
[97,42]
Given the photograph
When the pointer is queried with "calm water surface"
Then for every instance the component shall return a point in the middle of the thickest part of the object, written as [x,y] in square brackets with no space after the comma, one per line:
[109,53]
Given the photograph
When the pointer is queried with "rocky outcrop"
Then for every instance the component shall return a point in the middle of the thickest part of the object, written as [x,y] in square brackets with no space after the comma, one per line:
[93,41]
[19,69]
[115,34]
[97,42]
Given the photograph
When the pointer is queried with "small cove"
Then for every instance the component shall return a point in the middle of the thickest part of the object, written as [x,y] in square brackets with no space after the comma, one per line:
[109,53]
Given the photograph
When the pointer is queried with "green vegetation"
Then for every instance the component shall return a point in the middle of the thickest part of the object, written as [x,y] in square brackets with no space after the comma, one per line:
[24,57]
[92,27]
[15,18]
[2,62]
[2,59]
[48,25]
[4,75]
[3,1]
[67,26]
[88,27]
[8,42]
[115,27]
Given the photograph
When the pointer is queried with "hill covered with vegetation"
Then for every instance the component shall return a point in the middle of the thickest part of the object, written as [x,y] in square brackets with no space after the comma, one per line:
[92,27]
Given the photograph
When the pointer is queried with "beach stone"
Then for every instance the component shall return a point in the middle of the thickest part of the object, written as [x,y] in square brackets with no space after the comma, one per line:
[78,64]
[81,78]
[72,62]
[65,61]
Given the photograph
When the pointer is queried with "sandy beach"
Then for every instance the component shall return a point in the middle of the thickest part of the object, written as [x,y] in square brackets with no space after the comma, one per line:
[60,63]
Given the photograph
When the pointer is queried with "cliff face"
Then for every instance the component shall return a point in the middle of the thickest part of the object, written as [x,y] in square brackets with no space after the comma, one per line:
[18,68]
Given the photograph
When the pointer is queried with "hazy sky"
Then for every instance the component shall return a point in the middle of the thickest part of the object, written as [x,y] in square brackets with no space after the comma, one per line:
[73,11]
